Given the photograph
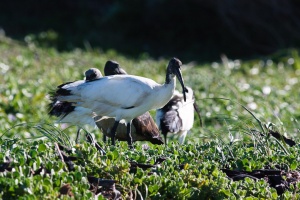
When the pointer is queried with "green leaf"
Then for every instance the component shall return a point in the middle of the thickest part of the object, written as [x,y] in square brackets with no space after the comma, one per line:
[274,195]
[78,176]
[42,147]
[294,165]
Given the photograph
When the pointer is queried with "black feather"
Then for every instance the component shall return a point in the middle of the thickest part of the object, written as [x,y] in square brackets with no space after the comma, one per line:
[60,109]
[171,122]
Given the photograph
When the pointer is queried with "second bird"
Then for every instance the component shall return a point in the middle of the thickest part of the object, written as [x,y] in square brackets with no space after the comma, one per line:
[177,116]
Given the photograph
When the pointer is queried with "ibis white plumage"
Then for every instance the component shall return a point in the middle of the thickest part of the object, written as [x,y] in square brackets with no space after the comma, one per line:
[177,116]
[122,97]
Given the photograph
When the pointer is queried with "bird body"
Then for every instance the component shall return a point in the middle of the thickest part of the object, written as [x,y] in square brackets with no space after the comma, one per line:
[143,127]
[177,116]
[127,94]
[122,97]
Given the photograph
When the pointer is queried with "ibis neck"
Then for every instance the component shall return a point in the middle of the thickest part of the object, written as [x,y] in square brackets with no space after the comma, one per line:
[169,78]
[164,92]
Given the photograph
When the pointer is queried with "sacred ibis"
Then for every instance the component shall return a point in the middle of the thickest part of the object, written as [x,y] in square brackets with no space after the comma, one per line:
[177,116]
[75,115]
[143,127]
[122,97]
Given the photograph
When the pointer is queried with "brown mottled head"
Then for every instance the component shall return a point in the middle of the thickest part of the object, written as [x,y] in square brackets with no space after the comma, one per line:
[92,74]
[113,68]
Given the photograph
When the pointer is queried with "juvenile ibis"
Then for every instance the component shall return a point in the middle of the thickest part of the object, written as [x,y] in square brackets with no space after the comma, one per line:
[143,127]
[92,74]
[177,116]
[75,115]
[113,68]
[122,97]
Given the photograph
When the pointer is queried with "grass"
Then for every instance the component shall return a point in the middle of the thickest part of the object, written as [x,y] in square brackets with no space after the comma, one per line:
[236,98]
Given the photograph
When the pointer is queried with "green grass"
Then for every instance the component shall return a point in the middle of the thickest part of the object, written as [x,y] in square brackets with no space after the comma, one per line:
[235,98]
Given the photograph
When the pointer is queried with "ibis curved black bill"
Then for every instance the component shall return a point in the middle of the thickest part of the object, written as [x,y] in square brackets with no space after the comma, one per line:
[180,79]
[198,112]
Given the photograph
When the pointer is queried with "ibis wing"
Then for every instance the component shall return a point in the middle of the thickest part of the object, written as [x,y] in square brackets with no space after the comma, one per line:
[125,91]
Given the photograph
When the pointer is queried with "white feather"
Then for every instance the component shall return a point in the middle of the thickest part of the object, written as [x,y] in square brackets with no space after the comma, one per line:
[111,95]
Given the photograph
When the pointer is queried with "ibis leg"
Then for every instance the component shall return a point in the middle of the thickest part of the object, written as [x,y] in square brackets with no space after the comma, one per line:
[77,136]
[104,138]
[129,138]
[113,132]
[165,136]
[91,140]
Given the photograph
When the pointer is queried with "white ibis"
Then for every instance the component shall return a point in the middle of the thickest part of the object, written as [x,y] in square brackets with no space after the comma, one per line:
[75,115]
[122,97]
[143,127]
[177,116]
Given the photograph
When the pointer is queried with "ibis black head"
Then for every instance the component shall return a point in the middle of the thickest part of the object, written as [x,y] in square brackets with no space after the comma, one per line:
[92,74]
[174,69]
[113,68]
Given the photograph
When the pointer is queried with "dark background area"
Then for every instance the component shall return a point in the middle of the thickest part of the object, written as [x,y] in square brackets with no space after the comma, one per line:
[190,29]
